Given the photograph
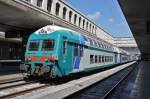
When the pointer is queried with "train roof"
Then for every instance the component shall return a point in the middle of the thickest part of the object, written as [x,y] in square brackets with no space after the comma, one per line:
[52,28]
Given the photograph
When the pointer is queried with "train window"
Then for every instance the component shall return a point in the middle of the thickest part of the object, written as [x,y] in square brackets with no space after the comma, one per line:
[99,44]
[81,51]
[76,50]
[106,46]
[91,59]
[85,38]
[96,59]
[102,46]
[106,58]
[34,45]
[99,58]
[91,42]
[94,43]
[48,45]
[110,48]
[109,59]
[64,47]
[102,58]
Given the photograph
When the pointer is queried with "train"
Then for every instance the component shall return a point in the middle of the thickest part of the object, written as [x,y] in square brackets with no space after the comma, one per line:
[55,51]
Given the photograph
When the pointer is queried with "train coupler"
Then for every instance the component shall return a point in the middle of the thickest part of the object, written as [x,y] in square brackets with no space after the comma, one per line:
[40,70]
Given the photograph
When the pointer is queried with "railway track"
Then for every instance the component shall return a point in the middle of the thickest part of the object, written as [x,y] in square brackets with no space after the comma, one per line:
[105,88]
[10,81]
[14,88]
[111,91]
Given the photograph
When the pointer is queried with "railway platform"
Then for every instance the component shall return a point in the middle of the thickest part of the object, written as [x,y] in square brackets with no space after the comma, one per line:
[10,77]
[10,70]
[9,67]
[143,81]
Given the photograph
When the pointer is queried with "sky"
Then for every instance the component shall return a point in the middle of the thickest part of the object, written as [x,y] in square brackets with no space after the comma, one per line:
[105,13]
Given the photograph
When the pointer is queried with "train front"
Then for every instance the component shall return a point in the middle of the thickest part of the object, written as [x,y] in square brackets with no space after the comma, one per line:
[41,54]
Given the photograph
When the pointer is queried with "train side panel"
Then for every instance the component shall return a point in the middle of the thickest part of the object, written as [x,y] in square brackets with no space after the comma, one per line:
[94,58]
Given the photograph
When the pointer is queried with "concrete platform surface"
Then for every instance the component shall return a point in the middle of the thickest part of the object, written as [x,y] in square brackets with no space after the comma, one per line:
[143,81]
[66,89]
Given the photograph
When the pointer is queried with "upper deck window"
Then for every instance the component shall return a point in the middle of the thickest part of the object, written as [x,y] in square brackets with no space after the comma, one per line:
[48,45]
[91,42]
[34,45]
[85,38]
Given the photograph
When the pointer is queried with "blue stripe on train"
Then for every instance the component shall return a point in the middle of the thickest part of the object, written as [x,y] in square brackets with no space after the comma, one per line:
[77,60]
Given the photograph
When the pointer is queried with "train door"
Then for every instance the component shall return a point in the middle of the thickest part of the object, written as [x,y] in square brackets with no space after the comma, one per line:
[66,57]
[76,57]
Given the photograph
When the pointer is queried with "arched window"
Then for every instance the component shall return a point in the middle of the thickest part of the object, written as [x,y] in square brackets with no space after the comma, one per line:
[79,21]
[87,26]
[70,16]
[64,12]
[49,5]
[90,27]
[93,29]
[75,18]
[57,9]
[83,23]
[39,3]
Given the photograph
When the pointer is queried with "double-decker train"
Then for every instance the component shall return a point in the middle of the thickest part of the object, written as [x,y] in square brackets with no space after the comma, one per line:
[55,51]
